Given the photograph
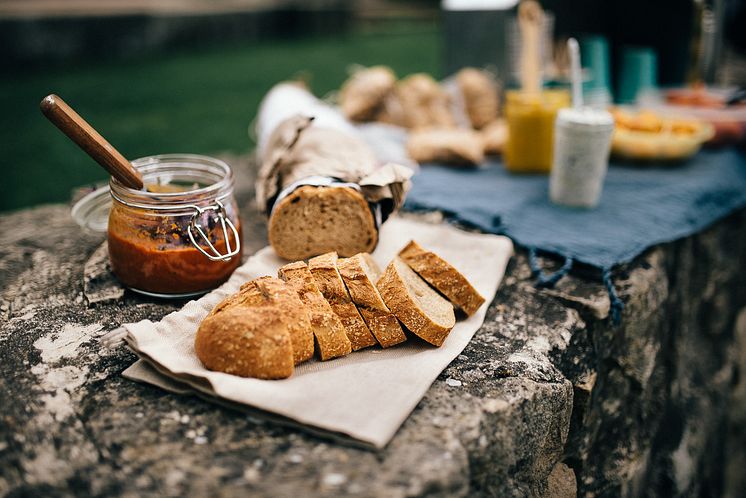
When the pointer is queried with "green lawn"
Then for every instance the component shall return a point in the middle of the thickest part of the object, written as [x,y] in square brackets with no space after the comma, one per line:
[197,102]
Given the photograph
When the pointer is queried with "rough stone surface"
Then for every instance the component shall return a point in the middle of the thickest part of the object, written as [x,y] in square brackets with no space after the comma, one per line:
[99,283]
[547,399]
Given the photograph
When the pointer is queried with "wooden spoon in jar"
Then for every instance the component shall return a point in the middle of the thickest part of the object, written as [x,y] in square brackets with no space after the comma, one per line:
[92,143]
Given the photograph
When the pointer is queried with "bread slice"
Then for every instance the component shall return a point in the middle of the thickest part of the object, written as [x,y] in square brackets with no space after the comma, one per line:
[316,220]
[246,341]
[445,278]
[324,271]
[327,328]
[360,273]
[274,293]
[422,310]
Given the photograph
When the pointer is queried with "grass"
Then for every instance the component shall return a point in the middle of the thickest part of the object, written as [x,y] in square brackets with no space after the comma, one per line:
[196,102]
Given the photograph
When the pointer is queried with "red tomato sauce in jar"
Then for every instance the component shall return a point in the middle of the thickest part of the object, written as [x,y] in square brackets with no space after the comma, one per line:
[150,248]
[163,259]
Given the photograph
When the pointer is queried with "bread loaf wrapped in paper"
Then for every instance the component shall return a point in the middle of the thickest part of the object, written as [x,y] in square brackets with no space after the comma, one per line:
[321,185]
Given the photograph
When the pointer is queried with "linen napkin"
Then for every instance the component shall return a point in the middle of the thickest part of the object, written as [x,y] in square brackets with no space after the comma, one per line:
[366,395]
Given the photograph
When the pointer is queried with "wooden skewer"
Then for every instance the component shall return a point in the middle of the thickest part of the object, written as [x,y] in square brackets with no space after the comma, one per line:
[88,139]
[530,22]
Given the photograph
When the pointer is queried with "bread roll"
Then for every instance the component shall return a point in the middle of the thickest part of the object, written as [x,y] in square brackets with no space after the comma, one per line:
[446,145]
[480,94]
[291,309]
[362,95]
[424,103]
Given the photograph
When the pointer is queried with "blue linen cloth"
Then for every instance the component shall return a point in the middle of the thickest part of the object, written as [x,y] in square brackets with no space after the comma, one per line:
[641,206]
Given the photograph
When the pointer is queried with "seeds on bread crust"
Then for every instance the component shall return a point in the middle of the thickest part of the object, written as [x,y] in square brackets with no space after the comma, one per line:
[444,277]
[422,310]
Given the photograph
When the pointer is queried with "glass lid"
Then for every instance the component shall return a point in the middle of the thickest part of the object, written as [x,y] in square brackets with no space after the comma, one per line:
[91,212]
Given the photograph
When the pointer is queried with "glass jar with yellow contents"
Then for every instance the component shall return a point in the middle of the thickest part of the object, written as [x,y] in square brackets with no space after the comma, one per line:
[530,118]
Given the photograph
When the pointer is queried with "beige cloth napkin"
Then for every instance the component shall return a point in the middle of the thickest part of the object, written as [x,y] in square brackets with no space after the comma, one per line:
[366,395]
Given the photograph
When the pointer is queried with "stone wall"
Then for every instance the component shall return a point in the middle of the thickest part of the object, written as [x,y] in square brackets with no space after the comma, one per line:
[652,396]
[548,399]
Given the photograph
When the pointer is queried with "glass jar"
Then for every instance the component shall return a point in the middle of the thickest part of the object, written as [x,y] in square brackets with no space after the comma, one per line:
[179,237]
[530,118]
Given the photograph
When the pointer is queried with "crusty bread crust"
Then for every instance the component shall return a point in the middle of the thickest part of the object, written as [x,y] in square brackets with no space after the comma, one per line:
[274,293]
[327,328]
[406,294]
[250,342]
[444,277]
[359,274]
[324,271]
[316,220]
[293,311]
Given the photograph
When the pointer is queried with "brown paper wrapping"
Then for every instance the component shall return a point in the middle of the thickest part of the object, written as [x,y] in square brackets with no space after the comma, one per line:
[298,149]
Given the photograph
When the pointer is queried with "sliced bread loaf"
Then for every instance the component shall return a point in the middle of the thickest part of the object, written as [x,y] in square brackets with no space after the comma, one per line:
[246,341]
[445,278]
[324,271]
[422,310]
[327,328]
[274,293]
[292,310]
[315,220]
[360,273]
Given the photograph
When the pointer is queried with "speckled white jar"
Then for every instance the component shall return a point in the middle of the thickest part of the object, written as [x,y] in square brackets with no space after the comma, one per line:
[582,138]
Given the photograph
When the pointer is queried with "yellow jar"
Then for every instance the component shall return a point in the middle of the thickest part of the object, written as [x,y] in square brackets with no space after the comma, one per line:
[530,118]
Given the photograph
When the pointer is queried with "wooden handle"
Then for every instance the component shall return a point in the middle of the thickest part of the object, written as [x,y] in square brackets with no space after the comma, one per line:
[530,22]
[88,139]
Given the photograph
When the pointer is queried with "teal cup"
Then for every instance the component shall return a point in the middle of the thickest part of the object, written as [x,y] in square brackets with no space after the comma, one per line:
[639,72]
[594,53]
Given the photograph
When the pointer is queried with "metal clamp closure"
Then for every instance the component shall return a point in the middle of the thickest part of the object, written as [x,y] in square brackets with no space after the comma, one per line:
[225,223]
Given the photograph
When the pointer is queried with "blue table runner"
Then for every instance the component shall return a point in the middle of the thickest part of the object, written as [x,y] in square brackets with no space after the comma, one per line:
[641,206]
